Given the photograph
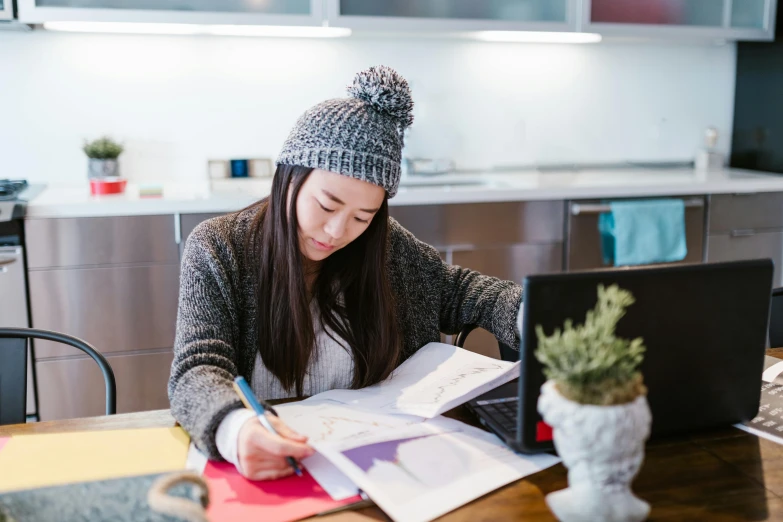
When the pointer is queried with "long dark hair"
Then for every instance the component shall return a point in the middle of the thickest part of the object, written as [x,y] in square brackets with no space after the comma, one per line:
[352,291]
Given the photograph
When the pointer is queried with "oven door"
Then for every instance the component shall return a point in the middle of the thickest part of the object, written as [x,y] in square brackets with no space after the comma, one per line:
[583,240]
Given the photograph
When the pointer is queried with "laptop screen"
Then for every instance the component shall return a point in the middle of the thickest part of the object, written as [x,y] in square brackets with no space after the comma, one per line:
[704,327]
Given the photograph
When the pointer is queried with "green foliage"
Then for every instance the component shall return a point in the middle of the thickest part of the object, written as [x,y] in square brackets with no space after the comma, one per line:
[102,148]
[588,363]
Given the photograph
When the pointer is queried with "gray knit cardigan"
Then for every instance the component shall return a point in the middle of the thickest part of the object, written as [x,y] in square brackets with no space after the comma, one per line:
[217,338]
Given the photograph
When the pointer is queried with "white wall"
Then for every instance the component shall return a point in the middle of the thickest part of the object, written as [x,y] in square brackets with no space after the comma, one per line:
[177,101]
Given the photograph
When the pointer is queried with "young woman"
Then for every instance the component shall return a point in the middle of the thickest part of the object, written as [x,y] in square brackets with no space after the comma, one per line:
[315,287]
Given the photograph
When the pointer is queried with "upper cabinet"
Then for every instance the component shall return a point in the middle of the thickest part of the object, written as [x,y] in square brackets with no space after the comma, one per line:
[454,15]
[261,12]
[6,9]
[753,14]
[719,19]
[651,19]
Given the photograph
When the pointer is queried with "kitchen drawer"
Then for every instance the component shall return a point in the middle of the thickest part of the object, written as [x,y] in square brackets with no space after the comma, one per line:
[113,308]
[74,387]
[512,262]
[745,211]
[726,247]
[71,242]
[480,224]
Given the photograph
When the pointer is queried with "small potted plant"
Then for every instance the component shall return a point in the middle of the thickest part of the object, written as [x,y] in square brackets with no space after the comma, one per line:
[596,403]
[103,154]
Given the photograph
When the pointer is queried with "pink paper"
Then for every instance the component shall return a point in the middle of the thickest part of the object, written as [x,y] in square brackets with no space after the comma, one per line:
[3,441]
[233,497]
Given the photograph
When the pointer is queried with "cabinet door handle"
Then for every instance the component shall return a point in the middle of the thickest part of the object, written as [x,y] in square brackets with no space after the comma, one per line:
[7,260]
[177,228]
[742,232]
[599,208]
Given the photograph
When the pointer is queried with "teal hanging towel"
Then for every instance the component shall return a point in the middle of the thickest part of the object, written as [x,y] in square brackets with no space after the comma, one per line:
[643,231]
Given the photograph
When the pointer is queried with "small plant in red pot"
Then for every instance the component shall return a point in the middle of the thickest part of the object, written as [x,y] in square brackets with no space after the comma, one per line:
[103,166]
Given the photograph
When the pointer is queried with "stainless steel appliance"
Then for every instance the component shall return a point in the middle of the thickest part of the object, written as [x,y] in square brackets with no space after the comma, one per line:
[583,241]
[14,306]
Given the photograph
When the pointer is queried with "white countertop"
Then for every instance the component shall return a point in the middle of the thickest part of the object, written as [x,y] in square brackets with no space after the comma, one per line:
[76,201]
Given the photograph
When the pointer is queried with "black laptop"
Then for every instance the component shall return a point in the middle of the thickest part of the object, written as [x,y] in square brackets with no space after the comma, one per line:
[704,326]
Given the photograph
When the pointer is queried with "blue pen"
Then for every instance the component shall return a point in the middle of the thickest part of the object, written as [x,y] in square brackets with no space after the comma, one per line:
[250,401]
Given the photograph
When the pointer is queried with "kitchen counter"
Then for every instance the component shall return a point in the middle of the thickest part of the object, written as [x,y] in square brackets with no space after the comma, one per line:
[76,201]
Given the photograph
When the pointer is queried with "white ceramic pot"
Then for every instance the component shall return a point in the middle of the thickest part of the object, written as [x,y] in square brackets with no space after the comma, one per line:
[603,449]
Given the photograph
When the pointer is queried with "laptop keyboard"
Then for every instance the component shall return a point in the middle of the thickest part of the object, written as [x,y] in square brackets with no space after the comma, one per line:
[502,411]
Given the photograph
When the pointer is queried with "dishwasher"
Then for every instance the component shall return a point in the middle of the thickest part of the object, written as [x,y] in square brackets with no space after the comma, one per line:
[583,241]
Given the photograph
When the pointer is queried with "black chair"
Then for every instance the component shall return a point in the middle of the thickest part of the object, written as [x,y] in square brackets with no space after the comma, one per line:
[776,319]
[507,353]
[13,370]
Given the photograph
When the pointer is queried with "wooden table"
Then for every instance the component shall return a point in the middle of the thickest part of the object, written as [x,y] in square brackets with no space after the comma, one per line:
[718,476]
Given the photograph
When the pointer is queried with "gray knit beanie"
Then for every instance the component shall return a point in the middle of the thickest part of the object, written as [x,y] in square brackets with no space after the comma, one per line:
[360,136]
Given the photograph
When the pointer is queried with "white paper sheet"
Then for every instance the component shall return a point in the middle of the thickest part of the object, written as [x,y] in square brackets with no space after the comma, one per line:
[436,379]
[768,423]
[420,472]
[323,421]
[771,373]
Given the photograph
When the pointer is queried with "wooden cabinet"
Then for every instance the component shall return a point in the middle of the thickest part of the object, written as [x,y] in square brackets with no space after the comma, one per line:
[735,212]
[747,226]
[748,245]
[100,241]
[114,308]
[114,282]
[74,386]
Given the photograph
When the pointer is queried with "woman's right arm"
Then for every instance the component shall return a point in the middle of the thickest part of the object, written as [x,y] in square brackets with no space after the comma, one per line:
[202,397]
[204,366]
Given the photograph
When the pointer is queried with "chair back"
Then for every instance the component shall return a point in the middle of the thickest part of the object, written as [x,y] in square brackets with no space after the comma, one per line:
[13,370]
[507,353]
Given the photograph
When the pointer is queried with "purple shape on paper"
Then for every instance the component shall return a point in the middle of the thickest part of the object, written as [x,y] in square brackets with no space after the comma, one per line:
[364,456]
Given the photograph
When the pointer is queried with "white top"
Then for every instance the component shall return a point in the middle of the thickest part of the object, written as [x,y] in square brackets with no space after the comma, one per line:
[75,201]
[331,367]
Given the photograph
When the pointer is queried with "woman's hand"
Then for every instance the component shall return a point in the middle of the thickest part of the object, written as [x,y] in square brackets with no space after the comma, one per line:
[262,454]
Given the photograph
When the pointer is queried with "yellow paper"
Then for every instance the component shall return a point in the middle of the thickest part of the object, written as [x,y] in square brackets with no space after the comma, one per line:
[33,461]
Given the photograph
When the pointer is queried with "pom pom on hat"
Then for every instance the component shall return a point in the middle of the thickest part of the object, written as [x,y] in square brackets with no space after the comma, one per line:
[386,91]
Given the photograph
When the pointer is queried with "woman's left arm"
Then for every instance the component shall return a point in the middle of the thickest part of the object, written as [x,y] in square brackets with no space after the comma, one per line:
[468,297]
[464,296]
